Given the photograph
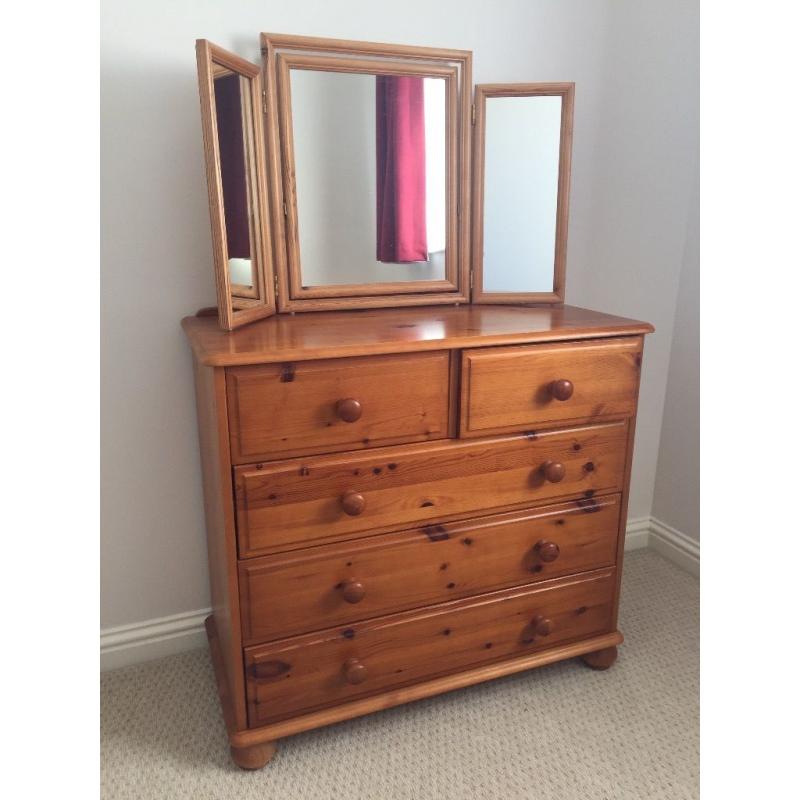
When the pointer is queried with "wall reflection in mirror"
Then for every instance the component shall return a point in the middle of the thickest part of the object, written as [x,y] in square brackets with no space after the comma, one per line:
[234,119]
[520,192]
[370,173]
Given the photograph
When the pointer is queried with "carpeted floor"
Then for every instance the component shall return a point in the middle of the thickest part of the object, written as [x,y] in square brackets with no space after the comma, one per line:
[561,731]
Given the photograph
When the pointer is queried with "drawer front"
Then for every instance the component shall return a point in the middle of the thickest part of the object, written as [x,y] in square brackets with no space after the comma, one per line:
[338,665]
[278,410]
[297,503]
[338,584]
[507,389]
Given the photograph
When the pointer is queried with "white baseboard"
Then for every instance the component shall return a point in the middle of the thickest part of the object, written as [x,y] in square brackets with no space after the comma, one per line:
[675,546]
[637,533]
[154,638]
[125,645]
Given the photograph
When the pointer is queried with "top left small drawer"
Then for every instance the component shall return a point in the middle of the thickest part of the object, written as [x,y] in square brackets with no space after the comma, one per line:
[306,407]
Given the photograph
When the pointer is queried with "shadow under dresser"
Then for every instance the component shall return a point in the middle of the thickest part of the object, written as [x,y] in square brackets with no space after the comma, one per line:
[401,502]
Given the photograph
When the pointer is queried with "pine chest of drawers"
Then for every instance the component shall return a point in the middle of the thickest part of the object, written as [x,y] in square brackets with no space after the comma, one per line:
[404,502]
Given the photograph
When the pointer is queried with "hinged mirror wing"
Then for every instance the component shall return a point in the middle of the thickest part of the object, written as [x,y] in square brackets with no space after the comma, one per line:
[523,152]
[232,107]
[369,154]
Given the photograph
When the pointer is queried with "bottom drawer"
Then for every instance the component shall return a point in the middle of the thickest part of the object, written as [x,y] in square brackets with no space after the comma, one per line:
[308,672]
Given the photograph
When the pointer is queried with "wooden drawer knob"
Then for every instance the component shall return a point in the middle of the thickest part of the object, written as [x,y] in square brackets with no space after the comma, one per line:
[353,591]
[354,671]
[348,410]
[353,503]
[554,471]
[542,626]
[547,551]
[562,389]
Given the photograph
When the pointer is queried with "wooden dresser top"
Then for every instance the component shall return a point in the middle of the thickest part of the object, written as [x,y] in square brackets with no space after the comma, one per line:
[333,334]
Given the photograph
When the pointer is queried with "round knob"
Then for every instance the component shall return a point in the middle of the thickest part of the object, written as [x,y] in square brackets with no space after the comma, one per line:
[562,390]
[554,471]
[547,551]
[353,591]
[348,410]
[353,503]
[354,671]
[541,625]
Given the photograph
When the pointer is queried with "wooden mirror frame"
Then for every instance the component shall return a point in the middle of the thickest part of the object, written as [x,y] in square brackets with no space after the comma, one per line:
[280,53]
[483,91]
[237,305]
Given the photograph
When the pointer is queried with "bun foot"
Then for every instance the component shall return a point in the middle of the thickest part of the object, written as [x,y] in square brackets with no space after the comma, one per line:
[253,757]
[601,659]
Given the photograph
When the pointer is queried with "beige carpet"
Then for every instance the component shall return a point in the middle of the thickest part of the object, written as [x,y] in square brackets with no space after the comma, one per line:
[561,731]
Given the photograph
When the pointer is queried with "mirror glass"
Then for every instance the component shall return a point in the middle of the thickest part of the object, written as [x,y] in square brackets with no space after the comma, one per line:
[234,117]
[371,179]
[520,196]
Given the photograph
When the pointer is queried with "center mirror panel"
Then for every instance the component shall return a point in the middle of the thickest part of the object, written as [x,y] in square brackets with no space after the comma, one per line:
[370,162]
[371,177]
[369,151]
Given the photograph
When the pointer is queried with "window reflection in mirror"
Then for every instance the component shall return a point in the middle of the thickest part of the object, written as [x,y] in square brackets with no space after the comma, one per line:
[232,102]
[520,196]
[371,182]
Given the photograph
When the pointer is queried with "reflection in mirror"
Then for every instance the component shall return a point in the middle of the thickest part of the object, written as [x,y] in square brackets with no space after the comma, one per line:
[233,112]
[522,143]
[371,179]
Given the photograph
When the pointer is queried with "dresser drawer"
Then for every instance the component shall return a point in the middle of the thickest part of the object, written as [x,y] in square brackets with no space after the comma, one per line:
[337,665]
[296,503]
[507,389]
[338,584]
[278,410]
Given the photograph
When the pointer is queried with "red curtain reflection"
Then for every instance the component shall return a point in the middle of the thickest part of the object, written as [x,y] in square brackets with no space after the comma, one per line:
[402,234]
[228,102]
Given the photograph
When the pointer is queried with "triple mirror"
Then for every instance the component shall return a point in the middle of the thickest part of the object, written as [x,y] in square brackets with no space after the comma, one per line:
[356,192]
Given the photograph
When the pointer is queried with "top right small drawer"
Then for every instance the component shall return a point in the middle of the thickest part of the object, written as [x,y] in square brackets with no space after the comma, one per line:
[505,389]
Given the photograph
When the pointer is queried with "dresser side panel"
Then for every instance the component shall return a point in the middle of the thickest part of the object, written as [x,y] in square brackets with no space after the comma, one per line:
[221,531]
[626,487]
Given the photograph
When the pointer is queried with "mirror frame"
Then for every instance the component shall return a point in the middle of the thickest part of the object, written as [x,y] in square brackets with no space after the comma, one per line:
[488,90]
[237,305]
[282,52]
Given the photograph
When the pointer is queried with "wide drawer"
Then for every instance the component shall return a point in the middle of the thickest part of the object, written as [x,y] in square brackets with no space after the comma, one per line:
[296,503]
[337,665]
[507,389]
[306,590]
[278,410]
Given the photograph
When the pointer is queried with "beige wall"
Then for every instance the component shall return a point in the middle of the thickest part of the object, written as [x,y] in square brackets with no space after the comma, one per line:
[635,129]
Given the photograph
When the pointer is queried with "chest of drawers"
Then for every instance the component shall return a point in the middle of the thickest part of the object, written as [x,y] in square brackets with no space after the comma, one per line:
[404,502]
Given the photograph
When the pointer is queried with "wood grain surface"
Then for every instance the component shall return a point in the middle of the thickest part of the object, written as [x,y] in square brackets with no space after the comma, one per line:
[289,504]
[398,330]
[341,664]
[505,389]
[279,410]
[306,590]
